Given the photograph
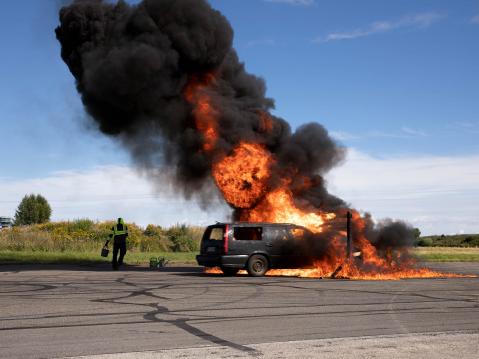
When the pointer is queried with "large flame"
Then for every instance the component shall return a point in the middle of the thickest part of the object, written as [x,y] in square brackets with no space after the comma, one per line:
[278,206]
[243,177]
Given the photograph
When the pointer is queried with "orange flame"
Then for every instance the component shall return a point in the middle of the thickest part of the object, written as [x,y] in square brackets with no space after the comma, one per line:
[265,122]
[244,178]
[320,273]
[278,207]
[196,93]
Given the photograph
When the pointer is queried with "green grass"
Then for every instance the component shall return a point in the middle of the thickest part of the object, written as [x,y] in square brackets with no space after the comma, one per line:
[446,254]
[80,241]
[428,254]
[83,236]
[34,257]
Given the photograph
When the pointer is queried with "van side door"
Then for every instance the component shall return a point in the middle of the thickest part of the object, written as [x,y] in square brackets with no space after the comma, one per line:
[288,247]
[276,238]
[247,240]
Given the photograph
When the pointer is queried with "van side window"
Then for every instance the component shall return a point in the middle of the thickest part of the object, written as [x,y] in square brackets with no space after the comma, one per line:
[248,233]
[279,234]
[297,232]
[216,234]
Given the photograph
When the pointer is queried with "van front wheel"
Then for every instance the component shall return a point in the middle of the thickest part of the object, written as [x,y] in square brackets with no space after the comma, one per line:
[257,265]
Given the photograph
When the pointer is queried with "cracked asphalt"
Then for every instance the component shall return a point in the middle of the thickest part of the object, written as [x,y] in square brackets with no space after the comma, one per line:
[69,311]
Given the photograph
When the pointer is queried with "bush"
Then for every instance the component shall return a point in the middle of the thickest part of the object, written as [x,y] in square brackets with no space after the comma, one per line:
[156,239]
[183,239]
[153,231]
[471,241]
[81,225]
[84,235]
[424,242]
[458,240]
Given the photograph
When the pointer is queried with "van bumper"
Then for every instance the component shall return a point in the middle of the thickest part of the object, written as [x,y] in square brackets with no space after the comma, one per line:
[228,261]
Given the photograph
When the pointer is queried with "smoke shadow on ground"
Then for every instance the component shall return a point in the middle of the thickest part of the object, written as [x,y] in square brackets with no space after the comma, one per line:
[92,267]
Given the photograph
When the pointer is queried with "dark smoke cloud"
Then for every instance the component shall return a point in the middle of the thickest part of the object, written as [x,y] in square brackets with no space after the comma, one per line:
[390,238]
[391,234]
[132,63]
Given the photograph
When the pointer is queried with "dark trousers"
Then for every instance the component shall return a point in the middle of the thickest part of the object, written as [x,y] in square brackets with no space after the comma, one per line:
[119,245]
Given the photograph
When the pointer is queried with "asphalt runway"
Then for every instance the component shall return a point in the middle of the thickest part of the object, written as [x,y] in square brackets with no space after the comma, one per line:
[60,311]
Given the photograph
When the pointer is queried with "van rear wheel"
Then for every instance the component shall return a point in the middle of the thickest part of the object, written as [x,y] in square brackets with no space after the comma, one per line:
[257,265]
[229,272]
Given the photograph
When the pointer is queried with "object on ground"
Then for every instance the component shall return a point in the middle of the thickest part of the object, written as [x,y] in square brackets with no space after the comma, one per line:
[156,263]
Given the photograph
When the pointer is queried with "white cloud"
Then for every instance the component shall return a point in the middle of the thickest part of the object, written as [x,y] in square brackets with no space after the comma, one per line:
[423,20]
[465,125]
[475,19]
[436,194]
[294,2]
[261,42]
[344,136]
[414,132]
[404,133]
[108,192]
[469,127]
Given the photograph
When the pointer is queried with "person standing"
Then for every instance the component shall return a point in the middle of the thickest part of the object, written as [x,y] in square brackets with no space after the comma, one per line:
[119,234]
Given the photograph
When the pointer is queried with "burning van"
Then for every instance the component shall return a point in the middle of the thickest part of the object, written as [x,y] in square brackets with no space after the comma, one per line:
[256,247]
[164,79]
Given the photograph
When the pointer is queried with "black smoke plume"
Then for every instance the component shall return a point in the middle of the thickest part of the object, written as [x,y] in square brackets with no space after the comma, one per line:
[132,64]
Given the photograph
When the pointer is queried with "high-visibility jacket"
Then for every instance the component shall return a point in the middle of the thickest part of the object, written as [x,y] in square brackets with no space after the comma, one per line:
[119,229]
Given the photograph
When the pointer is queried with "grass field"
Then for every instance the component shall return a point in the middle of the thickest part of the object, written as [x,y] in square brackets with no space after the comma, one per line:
[80,241]
[447,254]
[429,254]
[87,236]
[32,257]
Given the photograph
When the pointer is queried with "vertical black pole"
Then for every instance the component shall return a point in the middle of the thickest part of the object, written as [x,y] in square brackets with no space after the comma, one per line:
[349,247]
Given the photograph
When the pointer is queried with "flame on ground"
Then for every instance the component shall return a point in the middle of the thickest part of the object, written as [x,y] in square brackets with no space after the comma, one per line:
[320,273]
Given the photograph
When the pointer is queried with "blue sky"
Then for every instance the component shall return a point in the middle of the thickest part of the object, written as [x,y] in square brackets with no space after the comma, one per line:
[389,79]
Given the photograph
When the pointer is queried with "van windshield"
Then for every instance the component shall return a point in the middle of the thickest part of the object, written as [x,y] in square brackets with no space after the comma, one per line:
[214,234]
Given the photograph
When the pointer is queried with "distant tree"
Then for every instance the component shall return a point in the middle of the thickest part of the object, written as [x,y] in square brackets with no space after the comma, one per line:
[417,233]
[33,209]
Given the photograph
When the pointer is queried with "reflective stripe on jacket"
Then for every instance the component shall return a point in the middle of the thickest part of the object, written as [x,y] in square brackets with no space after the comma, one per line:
[119,232]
